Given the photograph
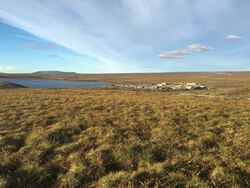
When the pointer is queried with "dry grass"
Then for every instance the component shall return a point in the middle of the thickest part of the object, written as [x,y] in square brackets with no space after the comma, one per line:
[122,138]
[216,79]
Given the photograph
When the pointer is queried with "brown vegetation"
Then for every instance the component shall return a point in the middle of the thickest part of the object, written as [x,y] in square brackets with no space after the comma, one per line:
[216,79]
[122,138]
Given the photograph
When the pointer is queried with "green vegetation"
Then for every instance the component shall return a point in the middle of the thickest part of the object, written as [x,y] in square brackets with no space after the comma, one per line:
[123,138]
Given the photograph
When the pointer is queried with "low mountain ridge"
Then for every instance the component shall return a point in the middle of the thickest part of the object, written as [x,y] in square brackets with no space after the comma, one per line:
[53,72]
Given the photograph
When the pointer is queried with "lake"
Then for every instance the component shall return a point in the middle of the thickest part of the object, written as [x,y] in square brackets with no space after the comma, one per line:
[37,83]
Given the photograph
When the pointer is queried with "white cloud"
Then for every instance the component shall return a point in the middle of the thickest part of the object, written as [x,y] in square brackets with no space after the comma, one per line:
[104,30]
[199,48]
[6,68]
[233,37]
[174,54]
[110,31]
[184,52]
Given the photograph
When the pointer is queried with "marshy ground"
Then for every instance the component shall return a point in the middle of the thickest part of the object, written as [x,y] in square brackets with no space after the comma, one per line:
[123,138]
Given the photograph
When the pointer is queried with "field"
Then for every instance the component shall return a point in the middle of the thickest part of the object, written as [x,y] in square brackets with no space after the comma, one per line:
[216,79]
[127,138]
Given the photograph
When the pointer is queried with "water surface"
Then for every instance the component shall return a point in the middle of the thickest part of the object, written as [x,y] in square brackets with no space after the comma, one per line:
[38,83]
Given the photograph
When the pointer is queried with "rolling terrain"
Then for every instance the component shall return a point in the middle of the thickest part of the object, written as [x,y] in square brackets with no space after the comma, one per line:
[127,138]
[216,79]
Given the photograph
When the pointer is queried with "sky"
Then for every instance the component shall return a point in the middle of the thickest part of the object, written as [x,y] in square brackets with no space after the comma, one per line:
[124,36]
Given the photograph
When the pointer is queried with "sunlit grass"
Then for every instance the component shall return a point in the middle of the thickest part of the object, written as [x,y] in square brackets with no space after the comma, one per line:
[122,138]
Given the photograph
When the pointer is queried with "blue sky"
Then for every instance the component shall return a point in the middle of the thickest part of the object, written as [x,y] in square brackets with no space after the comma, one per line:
[114,36]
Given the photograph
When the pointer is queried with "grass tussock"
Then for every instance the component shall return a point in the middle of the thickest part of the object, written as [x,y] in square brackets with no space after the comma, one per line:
[122,138]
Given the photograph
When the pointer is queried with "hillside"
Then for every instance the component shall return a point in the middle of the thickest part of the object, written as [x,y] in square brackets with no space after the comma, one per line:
[122,138]
[9,85]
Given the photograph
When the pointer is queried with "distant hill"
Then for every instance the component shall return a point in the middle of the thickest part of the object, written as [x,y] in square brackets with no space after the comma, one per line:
[53,72]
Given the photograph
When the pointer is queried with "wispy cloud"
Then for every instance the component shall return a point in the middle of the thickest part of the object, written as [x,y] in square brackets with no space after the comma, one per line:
[199,48]
[105,30]
[174,54]
[180,53]
[115,34]
[6,68]
[233,37]
[38,46]
[54,55]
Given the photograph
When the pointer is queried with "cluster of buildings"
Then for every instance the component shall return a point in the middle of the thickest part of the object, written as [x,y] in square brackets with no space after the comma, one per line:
[165,86]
